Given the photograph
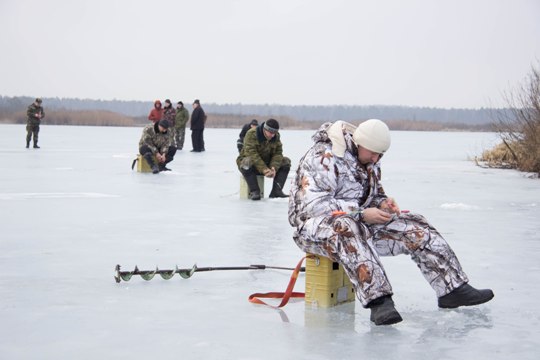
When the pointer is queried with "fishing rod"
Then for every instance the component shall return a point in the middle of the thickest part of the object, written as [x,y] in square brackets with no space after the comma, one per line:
[185,273]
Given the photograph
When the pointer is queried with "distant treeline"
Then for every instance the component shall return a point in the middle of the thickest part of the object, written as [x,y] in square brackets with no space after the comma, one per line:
[317,114]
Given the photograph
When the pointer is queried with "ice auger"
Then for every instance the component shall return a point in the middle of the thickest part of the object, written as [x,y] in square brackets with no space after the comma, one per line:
[184,273]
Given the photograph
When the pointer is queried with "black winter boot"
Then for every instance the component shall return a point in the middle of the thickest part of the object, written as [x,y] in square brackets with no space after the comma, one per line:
[255,195]
[383,311]
[253,185]
[465,295]
[150,160]
[279,182]
[162,167]
[36,146]
[27,144]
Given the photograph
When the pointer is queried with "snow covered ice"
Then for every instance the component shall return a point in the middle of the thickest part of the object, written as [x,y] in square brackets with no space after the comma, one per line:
[73,209]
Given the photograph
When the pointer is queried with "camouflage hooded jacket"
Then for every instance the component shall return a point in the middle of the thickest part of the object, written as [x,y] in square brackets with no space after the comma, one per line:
[169,114]
[32,114]
[182,117]
[264,154]
[156,141]
[325,182]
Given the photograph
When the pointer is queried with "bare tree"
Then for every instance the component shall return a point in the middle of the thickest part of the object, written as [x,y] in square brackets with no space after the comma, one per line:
[519,126]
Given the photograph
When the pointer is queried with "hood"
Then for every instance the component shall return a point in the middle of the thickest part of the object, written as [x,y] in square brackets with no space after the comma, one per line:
[340,134]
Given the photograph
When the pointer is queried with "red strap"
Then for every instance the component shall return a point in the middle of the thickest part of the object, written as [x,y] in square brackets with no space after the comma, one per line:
[254,298]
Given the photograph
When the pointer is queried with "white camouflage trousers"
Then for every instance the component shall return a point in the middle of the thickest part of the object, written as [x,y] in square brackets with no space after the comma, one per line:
[358,247]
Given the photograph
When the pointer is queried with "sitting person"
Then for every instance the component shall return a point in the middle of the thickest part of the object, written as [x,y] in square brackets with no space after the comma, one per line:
[340,211]
[157,142]
[262,154]
[240,142]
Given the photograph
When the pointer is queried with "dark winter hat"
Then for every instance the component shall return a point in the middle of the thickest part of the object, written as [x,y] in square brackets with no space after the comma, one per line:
[164,123]
[39,101]
[180,103]
[254,122]
[272,126]
[167,101]
[197,102]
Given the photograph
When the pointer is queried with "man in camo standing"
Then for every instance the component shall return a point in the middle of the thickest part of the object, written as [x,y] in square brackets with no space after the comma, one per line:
[34,115]
[182,117]
[340,210]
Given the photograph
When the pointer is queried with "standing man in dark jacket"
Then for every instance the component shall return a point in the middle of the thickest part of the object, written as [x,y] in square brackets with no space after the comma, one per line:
[34,115]
[262,154]
[198,119]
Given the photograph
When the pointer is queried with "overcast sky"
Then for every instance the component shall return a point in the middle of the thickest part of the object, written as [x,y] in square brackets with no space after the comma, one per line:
[461,54]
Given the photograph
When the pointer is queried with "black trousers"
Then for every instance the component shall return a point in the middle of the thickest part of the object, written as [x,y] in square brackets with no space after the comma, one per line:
[169,156]
[197,140]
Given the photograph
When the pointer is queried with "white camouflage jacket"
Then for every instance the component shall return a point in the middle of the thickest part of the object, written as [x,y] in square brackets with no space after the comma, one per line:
[330,178]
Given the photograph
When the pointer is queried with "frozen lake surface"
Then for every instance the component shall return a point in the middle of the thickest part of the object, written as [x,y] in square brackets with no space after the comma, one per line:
[73,209]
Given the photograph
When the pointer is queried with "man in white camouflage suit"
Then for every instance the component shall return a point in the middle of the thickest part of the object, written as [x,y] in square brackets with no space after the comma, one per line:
[339,209]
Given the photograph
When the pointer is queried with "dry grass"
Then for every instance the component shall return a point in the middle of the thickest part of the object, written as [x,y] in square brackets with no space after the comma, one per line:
[519,130]
[500,157]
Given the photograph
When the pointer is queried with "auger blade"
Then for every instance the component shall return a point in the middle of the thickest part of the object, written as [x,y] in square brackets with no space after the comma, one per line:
[168,274]
[148,275]
[126,276]
[187,273]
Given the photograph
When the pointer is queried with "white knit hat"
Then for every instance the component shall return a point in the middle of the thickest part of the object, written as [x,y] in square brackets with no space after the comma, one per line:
[373,135]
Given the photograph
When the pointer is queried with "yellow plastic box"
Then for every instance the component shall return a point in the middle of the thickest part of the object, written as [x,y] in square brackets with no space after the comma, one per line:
[327,284]
[142,164]
[244,189]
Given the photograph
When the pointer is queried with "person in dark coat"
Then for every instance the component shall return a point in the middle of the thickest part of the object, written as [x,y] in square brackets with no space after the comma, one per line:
[240,142]
[198,119]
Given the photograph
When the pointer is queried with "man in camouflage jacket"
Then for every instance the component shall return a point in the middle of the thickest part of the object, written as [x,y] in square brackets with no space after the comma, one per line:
[340,210]
[182,117]
[262,154]
[34,115]
[157,144]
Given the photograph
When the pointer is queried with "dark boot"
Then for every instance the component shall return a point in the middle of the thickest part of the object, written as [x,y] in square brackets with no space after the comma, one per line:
[162,167]
[150,160]
[279,182]
[253,185]
[383,311]
[36,145]
[27,144]
[465,295]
